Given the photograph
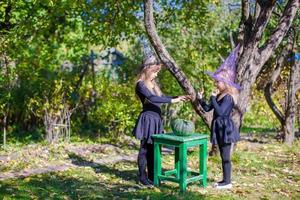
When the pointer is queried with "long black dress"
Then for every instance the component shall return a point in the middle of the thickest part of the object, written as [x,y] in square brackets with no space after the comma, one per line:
[223,130]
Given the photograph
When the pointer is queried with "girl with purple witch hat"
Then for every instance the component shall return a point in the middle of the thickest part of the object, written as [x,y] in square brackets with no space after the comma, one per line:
[223,131]
[149,121]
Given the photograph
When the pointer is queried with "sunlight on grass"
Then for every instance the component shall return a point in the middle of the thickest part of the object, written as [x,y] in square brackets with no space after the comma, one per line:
[260,171]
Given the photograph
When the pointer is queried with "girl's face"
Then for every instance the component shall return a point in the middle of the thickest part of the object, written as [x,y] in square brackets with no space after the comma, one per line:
[153,71]
[220,85]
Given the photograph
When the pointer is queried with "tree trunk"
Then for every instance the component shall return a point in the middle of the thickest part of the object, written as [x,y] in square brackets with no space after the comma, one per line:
[268,89]
[251,58]
[298,103]
[289,123]
[280,62]
[4,130]
[169,61]
[298,116]
[6,112]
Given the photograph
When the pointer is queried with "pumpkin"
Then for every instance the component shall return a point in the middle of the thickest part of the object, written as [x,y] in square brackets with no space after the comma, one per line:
[182,127]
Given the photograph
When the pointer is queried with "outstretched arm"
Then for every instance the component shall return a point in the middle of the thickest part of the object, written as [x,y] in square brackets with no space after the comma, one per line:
[151,97]
[205,106]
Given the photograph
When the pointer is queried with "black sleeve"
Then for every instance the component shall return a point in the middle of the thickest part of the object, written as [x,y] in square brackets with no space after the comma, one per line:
[226,103]
[205,106]
[151,97]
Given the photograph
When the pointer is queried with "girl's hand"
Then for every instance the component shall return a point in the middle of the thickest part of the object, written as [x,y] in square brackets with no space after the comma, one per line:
[200,93]
[186,97]
[215,92]
[180,98]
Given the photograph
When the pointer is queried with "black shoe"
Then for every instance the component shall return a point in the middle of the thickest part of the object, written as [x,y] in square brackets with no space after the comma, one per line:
[150,181]
[145,182]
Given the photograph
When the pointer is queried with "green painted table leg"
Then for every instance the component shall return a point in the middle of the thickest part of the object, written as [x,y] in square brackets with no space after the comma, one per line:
[157,163]
[177,162]
[183,167]
[202,163]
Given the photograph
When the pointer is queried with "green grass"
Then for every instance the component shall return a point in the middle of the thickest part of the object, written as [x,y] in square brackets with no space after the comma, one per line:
[260,171]
[86,183]
[269,130]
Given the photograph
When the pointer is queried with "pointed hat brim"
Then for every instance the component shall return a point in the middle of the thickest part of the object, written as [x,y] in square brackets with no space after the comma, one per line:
[218,78]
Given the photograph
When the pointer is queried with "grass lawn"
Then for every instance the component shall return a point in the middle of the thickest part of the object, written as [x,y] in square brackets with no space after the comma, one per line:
[260,171]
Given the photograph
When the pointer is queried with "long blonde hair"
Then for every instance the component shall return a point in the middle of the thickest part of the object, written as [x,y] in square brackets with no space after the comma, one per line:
[145,73]
[234,92]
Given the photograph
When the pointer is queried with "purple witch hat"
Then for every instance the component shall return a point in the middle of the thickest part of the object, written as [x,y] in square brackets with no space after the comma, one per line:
[227,71]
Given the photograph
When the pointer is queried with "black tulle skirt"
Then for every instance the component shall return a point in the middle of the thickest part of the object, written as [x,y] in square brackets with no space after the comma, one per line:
[223,131]
[147,124]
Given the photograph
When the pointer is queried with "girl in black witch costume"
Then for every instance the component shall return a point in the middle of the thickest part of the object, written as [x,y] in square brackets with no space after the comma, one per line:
[223,130]
[149,121]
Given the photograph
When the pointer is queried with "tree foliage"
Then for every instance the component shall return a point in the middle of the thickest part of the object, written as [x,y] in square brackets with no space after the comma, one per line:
[46,68]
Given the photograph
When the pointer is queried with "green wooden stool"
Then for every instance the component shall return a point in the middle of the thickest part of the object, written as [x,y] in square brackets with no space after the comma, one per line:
[180,174]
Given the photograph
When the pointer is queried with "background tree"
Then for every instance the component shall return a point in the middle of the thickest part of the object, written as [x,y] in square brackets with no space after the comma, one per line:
[287,117]
[253,53]
[51,69]
[39,37]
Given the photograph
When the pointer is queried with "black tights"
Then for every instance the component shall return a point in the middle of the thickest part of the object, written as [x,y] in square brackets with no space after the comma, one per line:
[146,158]
[225,152]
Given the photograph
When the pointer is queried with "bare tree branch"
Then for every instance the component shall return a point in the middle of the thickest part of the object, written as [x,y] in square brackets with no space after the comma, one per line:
[290,114]
[169,61]
[231,41]
[161,50]
[297,81]
[221,57]
[244,20]
[245,10]
[266,8]
[284,25]
[268,88]
[257,11]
